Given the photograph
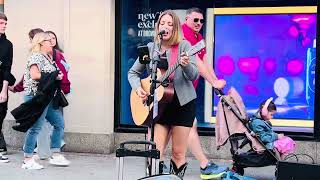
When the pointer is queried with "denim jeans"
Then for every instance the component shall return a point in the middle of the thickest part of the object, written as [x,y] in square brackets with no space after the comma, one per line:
[43,140]
[55,118]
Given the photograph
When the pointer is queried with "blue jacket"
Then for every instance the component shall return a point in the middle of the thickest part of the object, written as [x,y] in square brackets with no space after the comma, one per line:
[264,130]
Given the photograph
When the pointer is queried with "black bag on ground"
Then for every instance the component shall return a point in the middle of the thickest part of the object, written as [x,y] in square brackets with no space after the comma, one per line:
[297,171]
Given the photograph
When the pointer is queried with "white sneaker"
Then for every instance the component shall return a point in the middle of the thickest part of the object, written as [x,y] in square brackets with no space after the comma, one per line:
[35,150]
[63,144]
[31,164]
[59,160]
[4,159]
[36,157]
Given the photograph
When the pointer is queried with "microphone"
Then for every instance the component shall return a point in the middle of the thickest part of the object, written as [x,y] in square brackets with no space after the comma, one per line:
[163,31]
[143,53]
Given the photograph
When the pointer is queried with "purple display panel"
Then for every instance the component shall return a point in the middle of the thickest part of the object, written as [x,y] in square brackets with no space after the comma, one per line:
[266,56]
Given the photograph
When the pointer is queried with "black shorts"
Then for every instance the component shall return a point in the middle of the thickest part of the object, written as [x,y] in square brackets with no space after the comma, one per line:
[176,115]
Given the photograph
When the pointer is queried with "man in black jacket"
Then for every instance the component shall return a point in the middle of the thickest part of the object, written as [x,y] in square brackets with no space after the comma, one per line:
[6,53]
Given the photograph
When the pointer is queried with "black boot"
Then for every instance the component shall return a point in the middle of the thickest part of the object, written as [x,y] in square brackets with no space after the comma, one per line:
[161,164]
[178,171]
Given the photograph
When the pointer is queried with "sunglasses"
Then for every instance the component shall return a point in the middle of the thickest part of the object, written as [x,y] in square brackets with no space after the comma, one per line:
[197,20]
[47,39]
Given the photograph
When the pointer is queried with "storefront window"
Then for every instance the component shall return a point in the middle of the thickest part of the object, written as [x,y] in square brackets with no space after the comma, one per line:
[275,58]
[137,28]
[278,61]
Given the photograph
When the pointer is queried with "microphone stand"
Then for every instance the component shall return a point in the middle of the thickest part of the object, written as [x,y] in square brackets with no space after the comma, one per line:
[151,153]
[152,98]
[153,86]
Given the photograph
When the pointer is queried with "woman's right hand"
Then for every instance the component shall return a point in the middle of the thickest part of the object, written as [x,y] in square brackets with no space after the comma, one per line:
[11,88]
[280,136]
[184,60]
[60,76]
[142,94]
[219,83]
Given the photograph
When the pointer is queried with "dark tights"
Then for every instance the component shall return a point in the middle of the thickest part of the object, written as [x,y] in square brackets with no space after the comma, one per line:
[3,113]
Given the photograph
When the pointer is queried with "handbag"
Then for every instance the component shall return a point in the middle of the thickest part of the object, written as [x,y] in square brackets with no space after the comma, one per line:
[63,102]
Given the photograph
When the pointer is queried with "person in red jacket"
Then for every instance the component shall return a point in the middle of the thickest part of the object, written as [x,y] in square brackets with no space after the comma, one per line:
[61,63]
[191,27]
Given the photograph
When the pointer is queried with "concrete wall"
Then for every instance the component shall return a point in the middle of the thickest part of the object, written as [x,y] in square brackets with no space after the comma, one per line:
[85,31]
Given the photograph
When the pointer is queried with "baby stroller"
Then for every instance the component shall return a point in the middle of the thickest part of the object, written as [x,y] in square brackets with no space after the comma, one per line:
[232,124]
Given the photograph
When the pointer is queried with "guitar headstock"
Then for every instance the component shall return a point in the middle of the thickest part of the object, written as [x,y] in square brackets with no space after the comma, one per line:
[196,48]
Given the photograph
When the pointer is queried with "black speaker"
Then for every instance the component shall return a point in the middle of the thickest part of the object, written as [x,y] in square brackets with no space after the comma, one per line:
[297,171]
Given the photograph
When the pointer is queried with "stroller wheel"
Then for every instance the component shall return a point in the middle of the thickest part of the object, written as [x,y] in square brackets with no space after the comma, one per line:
[238,170]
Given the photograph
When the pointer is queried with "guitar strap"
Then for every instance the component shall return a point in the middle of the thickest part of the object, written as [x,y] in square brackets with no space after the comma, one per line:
[173,59]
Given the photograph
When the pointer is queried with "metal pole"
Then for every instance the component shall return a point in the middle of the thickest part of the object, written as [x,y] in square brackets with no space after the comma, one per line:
[317,79]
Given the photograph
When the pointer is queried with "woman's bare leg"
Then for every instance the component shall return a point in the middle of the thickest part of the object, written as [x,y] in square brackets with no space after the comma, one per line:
[195,146]
[160,138]
[179,144]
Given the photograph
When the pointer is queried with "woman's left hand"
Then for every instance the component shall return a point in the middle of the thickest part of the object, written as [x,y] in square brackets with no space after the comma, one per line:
[184,60]
[3,96]
[60,76]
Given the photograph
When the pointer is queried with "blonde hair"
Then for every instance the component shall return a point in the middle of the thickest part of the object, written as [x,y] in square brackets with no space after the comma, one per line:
[176,36]
[37,40]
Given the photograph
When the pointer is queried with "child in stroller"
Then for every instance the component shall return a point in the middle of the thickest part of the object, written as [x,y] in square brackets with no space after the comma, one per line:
[260,124]
[233,125]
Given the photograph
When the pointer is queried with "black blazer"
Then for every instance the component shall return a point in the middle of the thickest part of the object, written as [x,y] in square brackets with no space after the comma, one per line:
[29,112]
[6,54]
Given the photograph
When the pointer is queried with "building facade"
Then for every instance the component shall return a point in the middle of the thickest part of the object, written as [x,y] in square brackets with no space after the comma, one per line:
[85,30]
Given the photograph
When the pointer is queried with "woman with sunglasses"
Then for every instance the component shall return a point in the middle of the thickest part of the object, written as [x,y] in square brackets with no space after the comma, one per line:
[39,62]
[179,114]
[43,141]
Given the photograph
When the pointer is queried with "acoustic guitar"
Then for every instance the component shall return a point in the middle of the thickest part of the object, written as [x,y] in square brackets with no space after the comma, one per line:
[141,112]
